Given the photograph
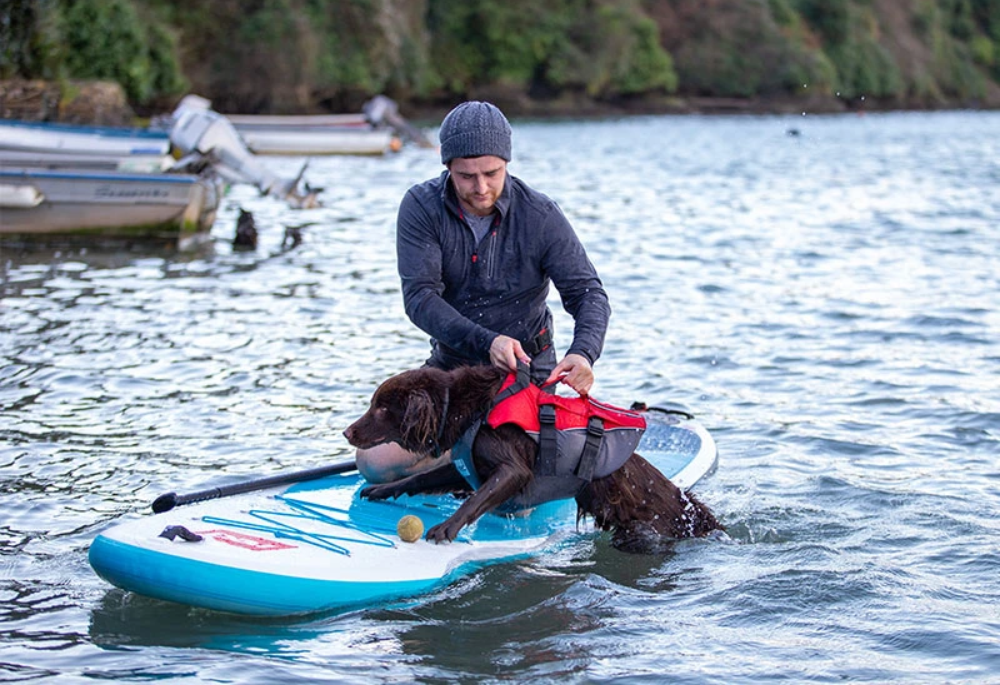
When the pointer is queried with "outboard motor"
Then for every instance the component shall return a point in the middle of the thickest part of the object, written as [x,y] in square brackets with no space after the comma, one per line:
[383,111]
[199,130]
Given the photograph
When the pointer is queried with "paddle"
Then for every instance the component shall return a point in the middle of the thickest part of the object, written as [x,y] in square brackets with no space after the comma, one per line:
[172,499]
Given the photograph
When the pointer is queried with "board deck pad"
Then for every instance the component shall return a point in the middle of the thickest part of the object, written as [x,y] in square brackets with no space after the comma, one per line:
[318,546]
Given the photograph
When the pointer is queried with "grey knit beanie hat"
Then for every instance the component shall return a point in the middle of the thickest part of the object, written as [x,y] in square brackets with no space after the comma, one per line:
[474,129]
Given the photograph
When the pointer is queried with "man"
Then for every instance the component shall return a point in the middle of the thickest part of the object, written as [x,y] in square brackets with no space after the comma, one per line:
[476,251]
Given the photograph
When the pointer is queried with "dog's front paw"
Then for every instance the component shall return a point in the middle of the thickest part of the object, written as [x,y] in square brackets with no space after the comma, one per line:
[443,532]
[378,492]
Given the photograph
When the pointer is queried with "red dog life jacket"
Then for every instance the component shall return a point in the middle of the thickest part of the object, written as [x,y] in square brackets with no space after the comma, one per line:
[579,438]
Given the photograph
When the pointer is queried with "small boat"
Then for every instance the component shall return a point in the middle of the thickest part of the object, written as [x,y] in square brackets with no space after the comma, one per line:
[40,204]
[62,161]
[317,140]
[202,135]
[295,120]
[376,130]
[24,136]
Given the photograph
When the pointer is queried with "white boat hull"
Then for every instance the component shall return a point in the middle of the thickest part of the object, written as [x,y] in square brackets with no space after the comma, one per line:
[297,120]
[112,205]
[281,140]
[81,140]
[65,161]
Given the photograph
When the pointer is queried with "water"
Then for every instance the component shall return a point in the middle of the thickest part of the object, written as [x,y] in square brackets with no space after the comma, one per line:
[826,303]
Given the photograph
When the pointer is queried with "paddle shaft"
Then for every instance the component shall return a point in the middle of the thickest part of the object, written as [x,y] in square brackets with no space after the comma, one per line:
[170,500]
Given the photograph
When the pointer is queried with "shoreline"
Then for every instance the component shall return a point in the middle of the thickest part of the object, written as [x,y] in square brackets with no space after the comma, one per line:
[103,103]
[523,107]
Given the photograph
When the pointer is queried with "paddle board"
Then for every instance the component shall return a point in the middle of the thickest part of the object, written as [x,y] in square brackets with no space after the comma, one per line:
[319,547]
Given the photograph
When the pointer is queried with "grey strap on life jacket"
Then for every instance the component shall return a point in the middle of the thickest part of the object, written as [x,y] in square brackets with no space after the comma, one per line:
[591,448]
[548,444]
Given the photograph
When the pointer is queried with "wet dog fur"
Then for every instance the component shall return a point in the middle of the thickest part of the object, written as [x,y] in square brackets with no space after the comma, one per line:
[639,505]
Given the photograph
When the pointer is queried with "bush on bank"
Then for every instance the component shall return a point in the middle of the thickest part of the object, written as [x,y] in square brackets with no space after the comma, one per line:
[311,55]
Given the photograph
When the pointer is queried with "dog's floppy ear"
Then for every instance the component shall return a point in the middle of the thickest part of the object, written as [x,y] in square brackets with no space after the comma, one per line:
[420,420]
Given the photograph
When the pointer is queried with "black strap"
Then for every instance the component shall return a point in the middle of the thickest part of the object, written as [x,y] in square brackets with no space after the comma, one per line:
[547,444]
[522,381]
[539,343]
[642,406]
[591,448]
[171,532]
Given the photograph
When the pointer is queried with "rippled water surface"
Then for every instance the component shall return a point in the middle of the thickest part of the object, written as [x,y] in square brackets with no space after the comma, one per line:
[827,303]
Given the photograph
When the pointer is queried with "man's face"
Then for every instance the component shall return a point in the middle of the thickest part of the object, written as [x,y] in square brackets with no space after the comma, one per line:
[478,182]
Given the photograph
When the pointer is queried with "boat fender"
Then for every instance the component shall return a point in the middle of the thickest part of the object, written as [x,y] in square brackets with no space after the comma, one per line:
[20,197]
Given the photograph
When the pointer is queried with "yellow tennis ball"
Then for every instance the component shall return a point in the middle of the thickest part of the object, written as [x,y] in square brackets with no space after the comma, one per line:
[410,528]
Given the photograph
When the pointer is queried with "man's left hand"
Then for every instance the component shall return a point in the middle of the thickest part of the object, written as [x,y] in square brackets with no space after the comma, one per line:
[575,371]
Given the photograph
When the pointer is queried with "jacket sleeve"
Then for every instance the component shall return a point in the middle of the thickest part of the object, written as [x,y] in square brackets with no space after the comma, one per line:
[419,261]
[580,288]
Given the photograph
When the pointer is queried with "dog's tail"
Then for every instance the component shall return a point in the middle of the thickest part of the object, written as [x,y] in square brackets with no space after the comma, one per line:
[638,500]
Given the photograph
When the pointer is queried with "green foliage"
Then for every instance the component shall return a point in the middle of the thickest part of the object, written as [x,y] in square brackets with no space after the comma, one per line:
[30,42]
[89,39]
[783,12]
[602,47]
[18,51]
[954,68]
[830,18]
[289,55]
[344,36]
[960,21]
[863,66]
[742,50]
[987,15]
[865,69]
[953,31]
[166,75]
[105,39]
[477,42]
[926,15]
[983,51]
[632,61]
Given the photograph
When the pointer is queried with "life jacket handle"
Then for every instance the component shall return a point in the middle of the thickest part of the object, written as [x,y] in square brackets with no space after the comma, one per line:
[522,380]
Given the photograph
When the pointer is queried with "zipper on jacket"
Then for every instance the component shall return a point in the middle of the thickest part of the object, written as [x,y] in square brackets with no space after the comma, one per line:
[491,254]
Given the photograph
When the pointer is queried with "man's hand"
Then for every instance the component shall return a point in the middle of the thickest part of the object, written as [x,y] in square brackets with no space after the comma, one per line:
[575,371]
[505,352]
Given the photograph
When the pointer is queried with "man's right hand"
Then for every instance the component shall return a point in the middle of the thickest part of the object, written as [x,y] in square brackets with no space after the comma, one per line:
[505,352]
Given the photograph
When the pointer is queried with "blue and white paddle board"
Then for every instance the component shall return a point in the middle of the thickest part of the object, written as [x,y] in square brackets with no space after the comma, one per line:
[319,547]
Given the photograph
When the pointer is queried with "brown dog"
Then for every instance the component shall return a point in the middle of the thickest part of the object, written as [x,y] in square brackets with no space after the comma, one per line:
[427,410]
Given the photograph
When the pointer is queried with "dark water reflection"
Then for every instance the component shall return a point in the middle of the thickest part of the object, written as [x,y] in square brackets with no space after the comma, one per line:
[827,303]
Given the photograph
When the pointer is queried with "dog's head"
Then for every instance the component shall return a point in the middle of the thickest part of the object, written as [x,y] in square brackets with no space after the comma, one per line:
[406,409]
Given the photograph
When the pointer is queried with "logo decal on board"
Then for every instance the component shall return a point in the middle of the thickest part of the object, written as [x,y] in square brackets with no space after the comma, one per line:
[250,542]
